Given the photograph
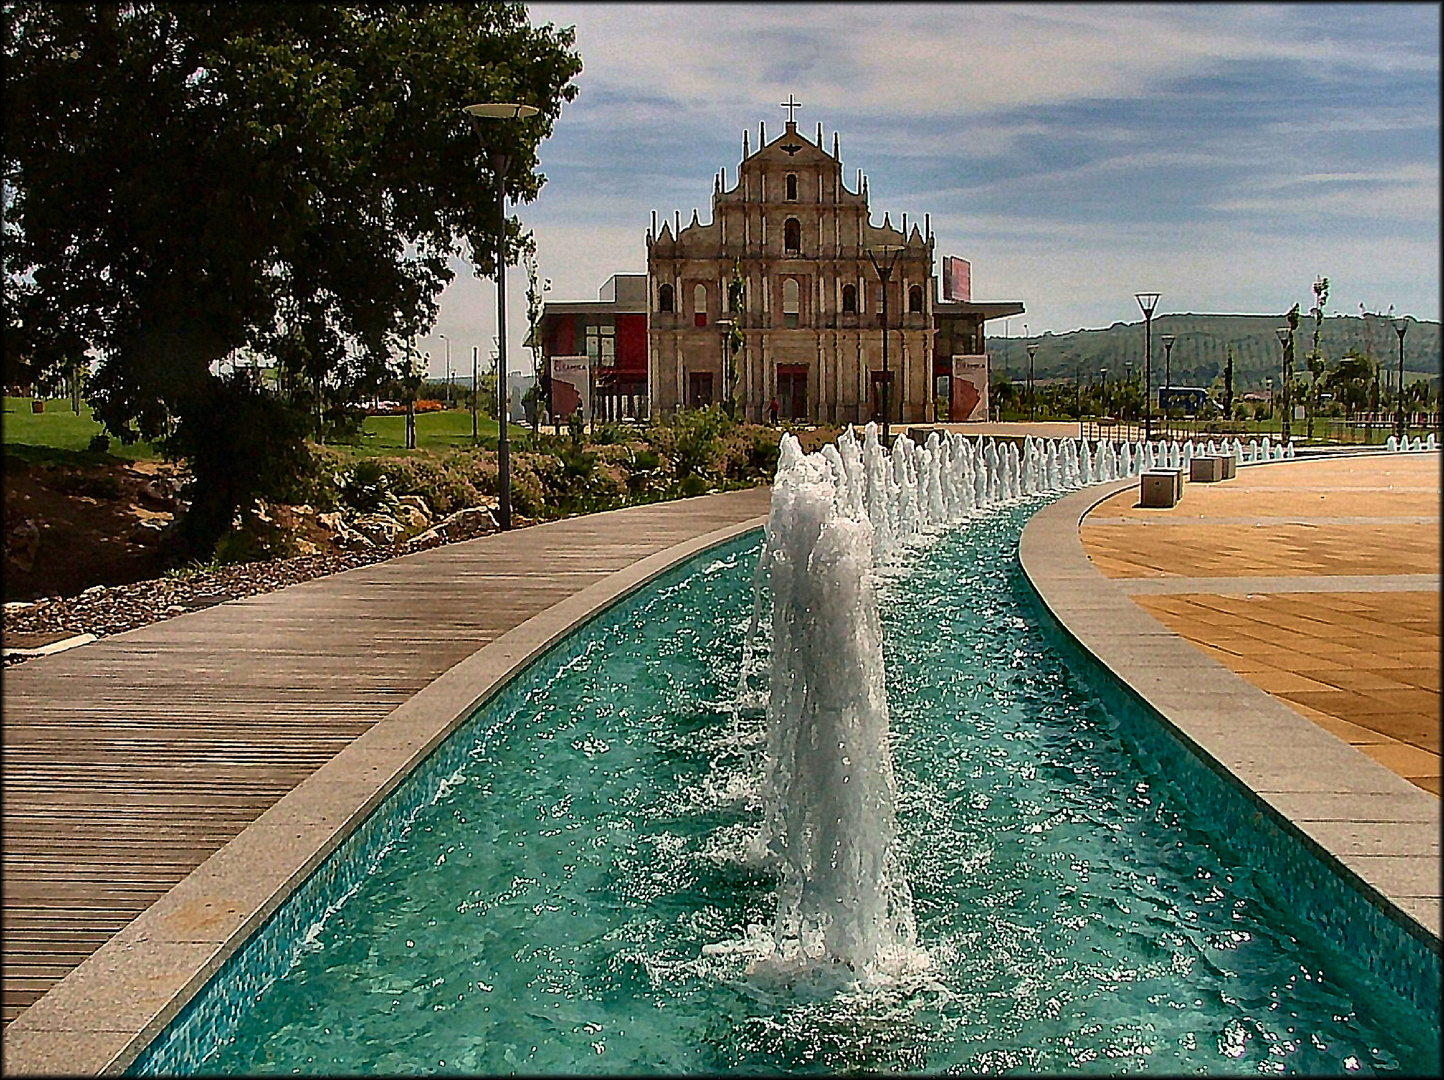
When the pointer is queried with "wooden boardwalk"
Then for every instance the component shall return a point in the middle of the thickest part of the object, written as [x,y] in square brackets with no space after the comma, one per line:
[129,761]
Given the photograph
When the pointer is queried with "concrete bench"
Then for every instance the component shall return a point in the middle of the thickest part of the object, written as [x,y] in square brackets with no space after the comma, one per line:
[1209,470]
[1160,488]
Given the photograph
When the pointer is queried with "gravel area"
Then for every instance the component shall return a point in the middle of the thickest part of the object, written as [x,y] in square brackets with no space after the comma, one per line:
[113,609]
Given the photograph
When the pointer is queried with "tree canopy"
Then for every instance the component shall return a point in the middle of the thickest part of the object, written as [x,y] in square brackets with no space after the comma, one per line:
[183,180]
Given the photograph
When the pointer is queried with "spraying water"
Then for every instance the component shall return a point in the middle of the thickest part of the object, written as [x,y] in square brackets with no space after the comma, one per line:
[829,794]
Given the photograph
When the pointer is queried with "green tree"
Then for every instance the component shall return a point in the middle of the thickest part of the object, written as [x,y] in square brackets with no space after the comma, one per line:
[536,290]
[1316,355]
[184,180]
[1228,384]
[1351,381]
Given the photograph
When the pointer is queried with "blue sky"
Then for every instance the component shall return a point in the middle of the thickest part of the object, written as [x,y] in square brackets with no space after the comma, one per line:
[1222,155]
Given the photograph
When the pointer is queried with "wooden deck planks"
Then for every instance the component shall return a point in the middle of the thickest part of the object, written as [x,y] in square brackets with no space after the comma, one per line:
[130,761]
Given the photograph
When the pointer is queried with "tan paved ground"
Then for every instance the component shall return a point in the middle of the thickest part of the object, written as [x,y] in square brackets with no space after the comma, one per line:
[1319,584]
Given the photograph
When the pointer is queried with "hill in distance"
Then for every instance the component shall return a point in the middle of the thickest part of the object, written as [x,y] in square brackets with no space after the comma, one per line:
[1201,344]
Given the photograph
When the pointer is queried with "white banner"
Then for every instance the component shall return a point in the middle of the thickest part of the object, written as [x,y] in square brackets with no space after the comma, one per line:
[571,386]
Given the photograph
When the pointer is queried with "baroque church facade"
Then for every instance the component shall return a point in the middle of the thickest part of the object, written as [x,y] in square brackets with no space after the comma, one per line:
[810,316]
[809,262]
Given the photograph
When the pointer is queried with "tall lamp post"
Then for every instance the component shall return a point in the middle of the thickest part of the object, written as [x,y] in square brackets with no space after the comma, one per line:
[1032,352]
[888,253]
[448,368]
[475,389]
[1147,301]
[1401,327]
[499,158]
[1167,340]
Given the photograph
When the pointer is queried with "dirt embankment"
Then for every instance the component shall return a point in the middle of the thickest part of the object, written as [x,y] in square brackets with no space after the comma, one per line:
[69,526]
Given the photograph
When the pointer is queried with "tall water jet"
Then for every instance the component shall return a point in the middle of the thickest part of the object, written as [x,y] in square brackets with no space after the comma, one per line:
[829,792]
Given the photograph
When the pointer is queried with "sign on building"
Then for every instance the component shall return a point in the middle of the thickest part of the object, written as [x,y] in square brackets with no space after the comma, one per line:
[571,386]
[970,389]
[957,279]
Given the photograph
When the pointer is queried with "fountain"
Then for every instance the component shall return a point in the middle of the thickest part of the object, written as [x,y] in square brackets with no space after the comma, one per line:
[573,883]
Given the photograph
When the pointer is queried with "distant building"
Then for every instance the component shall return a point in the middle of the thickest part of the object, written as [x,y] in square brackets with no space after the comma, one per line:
[606,340]
[810,314]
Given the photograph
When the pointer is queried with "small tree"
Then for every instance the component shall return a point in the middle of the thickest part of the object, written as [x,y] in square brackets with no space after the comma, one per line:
[1228,383]
[1316,355]
[536,290]
[736,291]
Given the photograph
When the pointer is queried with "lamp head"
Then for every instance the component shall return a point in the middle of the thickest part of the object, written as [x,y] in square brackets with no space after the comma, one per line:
[1147,301]
[1168,340]
[1032,350]
[501,110]
[1283,333]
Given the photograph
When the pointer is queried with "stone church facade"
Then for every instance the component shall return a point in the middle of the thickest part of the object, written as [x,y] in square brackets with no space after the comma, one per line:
[812,299]
[811,311]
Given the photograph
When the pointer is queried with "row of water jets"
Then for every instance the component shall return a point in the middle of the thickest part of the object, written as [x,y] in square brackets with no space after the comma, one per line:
[829,792]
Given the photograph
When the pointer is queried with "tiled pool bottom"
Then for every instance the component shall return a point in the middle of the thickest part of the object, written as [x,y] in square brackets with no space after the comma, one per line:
[228,1000]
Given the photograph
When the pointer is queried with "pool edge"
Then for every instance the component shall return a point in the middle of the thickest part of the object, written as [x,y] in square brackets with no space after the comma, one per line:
[101,1017]
[1294,766]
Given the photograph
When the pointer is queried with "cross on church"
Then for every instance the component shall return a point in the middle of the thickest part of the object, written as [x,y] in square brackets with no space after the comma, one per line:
[789,105]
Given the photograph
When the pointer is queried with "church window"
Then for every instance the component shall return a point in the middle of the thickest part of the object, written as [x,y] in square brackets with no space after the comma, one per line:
[699,305]
[790,298]
[792,236]
[849,299]
[664,299]
[915,299]
[791,187]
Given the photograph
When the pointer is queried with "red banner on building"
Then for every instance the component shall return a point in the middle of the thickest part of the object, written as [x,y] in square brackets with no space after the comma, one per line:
[957,278]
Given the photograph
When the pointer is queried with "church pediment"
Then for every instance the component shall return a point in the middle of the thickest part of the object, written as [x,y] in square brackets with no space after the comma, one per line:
[791,148]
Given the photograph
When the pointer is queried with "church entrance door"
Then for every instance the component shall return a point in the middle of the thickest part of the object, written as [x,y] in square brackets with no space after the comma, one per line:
[699,389]
[881,379]
[792,390]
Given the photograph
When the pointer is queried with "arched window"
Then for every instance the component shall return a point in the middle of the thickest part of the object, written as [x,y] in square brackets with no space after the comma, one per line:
[915,299]
[849,299]
[792,187]
[699,305]
[790,295]
[792,235]
[664,299]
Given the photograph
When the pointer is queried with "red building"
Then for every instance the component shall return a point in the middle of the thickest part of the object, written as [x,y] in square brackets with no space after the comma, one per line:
[602,348]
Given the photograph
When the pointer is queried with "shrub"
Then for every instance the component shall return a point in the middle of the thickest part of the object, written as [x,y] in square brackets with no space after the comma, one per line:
[99,444]
[365,488]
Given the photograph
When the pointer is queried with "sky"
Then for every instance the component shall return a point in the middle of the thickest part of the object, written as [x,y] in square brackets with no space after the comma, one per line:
[1223,155]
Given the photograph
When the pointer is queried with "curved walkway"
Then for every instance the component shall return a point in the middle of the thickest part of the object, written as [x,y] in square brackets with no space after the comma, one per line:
[1379,826]
[244,739]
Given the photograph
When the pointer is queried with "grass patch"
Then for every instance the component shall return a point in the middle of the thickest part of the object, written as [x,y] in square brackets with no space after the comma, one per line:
[33,437]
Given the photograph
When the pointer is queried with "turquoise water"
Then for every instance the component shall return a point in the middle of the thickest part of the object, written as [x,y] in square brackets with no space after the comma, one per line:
[550,911]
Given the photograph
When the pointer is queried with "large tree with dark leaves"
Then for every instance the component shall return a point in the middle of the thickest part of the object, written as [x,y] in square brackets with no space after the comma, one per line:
[183,180]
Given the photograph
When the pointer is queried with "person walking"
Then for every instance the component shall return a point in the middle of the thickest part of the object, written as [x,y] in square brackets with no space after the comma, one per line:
[772,410]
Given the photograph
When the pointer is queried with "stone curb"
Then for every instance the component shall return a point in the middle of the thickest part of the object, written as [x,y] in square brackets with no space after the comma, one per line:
[1316,785]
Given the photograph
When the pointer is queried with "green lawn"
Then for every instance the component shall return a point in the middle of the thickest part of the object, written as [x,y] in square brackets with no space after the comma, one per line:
[57,428]
[436,432]
[58,432]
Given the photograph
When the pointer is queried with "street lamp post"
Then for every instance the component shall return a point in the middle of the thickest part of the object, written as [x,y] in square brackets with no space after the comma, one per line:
[889,254]
[1032,352]
[499,159]
[1167,340]
[448,368]
[1401,327]
[475,389]
[1147,301]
